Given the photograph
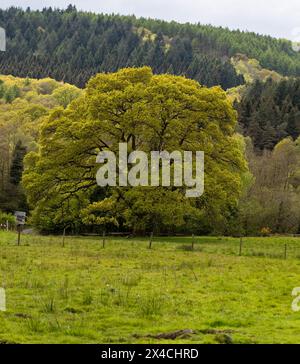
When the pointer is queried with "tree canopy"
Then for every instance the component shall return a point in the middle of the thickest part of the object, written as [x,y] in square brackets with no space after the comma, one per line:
[149,113]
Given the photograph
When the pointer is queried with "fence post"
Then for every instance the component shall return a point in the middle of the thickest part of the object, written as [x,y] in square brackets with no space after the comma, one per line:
[285,251]
[19,234]
[241,246]
[193,241]
[150,242]
[63,240]
[103,241]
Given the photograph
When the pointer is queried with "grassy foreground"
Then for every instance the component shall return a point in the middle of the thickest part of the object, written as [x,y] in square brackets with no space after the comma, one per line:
[82,293]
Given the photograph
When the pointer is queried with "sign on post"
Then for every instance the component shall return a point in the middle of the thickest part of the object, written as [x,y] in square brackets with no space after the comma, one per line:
[20,221]
[20,217]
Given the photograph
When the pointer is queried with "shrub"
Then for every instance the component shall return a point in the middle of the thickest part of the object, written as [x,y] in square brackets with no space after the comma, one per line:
[4,217]
[265,231]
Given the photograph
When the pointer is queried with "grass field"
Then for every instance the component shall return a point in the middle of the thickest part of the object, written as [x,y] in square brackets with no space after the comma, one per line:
[126,293]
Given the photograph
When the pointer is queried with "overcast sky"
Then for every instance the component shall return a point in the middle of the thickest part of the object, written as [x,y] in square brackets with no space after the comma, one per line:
[279,18]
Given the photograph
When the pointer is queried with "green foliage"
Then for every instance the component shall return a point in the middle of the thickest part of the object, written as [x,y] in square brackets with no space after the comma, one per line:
[271,194]
[148,113]
[5,217]
[252,70]
[65,95]
[10,93]
[23,105]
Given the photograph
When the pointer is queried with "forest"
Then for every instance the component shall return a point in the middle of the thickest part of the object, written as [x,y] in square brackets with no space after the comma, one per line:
[72,46]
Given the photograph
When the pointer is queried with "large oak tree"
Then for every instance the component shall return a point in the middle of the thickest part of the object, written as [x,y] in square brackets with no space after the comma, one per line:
[149,113]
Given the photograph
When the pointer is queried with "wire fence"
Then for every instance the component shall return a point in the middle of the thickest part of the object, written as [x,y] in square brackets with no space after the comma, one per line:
[255,247]
[249,248]
[276,247]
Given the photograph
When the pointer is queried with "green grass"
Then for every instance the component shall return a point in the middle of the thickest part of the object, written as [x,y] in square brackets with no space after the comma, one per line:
[83,293]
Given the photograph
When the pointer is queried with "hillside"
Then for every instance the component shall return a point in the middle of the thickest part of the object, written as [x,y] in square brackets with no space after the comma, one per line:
[72,46]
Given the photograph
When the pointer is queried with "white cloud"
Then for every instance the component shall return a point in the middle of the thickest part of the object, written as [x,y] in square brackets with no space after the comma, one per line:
[275,17]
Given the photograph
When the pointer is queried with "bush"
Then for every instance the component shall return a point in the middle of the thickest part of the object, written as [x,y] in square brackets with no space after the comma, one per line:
[265,231]
[4,217]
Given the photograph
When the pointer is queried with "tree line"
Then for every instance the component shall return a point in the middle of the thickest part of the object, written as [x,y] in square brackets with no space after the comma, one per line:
[72,46]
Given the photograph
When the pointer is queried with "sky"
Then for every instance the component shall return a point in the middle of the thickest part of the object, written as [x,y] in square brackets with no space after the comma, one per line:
[279,18]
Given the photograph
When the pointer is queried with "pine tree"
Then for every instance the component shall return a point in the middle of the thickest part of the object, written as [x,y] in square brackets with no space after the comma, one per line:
[17,166]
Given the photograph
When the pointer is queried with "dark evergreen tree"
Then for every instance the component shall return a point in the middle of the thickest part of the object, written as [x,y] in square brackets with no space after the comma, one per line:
[17,166]
[270,111]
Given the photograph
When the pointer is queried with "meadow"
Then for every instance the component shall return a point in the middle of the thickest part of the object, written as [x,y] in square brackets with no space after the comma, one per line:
[128,293]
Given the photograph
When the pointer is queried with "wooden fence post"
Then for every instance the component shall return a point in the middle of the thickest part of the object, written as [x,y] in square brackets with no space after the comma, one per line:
[285,251]
[193,241]
[150,242]
[103,241]
[64,236]
[241,246]
[19,234]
